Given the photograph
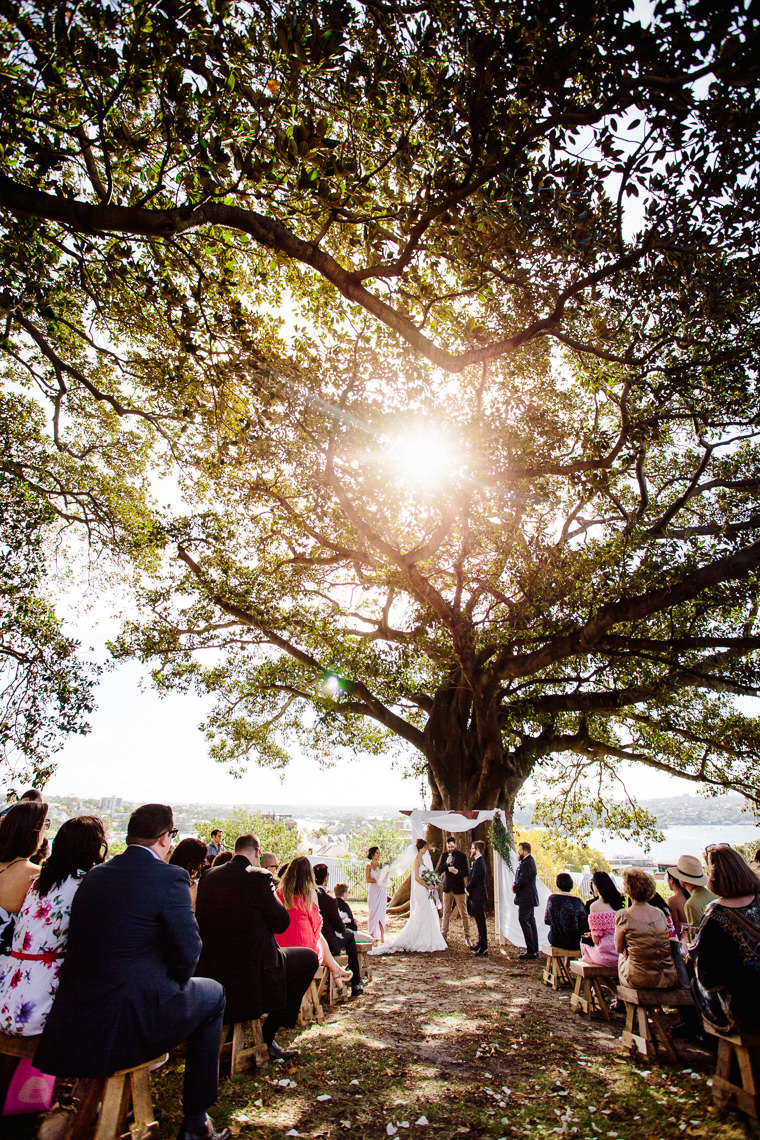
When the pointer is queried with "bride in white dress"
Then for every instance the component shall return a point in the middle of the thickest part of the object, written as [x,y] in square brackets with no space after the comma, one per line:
[422,932]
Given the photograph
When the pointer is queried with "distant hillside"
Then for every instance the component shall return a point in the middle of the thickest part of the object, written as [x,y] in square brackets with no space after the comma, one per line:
[680,811]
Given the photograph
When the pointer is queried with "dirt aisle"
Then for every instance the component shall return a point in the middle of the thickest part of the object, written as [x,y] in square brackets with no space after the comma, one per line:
[447,1045]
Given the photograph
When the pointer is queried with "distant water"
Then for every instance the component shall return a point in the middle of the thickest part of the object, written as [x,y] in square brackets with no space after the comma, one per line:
[685,840]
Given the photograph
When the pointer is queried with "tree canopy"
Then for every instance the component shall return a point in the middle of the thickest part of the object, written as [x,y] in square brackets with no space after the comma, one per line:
[271,251]
[46,691]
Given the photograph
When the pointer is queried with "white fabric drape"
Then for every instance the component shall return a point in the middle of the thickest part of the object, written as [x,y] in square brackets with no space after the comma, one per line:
[453,821]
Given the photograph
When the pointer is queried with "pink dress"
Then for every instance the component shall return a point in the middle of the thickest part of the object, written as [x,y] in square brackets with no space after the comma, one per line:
[602,926]
[377,900]
[305,926]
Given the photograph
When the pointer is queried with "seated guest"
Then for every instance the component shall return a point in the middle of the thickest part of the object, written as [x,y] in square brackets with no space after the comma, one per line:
[239,915]
[126,992]
[656,900]
[676,903]
[340,892]
[190,854]
[726,952]
[362,938]
[269,862]
[220,859]
[22,831]
[565,915]
[688,870]
[30,794]
[755,864]
[642,937]
[601,921]
[29,978]
[339,938]
[298,893]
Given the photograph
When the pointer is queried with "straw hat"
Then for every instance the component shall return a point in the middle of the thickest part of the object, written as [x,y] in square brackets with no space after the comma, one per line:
[688,869]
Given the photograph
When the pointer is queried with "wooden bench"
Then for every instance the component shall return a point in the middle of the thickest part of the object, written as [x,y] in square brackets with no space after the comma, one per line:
[101,1114]
[738,1057]
[587,995]
[556,972]
[642,1015]
[365,962]
[243,1042]
[311,1002]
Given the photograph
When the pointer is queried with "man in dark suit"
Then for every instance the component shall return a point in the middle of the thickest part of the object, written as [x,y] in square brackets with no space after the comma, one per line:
[126,990]
[526,898]
[238,914]
[453,866]
[477,895]
[338,937]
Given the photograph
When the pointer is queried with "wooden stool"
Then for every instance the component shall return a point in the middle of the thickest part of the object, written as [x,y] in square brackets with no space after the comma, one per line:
[642,1015]
[244,1056]
[587,995]
[311,1002]
[102,1112]
[365,968]
[738,1056]
[556,971]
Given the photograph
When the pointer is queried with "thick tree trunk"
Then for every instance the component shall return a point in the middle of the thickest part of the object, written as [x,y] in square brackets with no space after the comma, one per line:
[467,766]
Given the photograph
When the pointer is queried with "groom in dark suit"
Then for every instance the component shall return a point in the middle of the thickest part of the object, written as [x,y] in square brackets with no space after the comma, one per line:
[126,991]
[477,896]
[526,898]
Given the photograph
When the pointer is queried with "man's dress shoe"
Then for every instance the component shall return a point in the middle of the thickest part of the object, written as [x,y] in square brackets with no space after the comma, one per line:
[481,953]
[530,957]
[206,1132]
[277,1053]
[356,990]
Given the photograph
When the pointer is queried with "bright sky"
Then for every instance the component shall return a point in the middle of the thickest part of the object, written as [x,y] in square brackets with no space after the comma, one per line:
[143,747]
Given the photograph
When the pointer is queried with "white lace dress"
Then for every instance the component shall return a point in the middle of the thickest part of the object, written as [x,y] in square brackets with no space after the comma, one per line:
[422,933]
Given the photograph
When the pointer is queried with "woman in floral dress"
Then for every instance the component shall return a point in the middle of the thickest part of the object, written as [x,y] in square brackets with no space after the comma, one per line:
[29,975]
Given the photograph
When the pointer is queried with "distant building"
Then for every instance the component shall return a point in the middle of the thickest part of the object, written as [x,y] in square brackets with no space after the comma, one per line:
[109,804]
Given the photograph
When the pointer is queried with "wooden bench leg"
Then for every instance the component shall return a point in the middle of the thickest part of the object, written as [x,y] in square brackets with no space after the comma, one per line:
[636,1033]
[243,1055]
[598,999]
[579,999]
[83,1121]
[735,1064]
[114,1108]
[142,1105]
[661,1032]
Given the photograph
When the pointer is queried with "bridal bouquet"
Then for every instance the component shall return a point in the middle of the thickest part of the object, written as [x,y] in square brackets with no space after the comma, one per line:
[432,881]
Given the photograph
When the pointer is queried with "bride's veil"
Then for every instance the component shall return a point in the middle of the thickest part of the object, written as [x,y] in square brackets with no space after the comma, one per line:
[400,864]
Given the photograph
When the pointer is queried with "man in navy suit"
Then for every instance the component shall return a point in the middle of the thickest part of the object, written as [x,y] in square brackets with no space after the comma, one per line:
[526,898]
[126,990]
[477,896]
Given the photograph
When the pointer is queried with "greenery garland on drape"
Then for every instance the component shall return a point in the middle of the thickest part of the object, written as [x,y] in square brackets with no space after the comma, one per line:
[501,839]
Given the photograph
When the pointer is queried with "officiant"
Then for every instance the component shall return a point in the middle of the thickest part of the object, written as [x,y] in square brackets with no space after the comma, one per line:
[454,868]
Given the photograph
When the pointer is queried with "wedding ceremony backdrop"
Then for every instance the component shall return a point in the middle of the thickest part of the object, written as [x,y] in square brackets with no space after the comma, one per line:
[505,912]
